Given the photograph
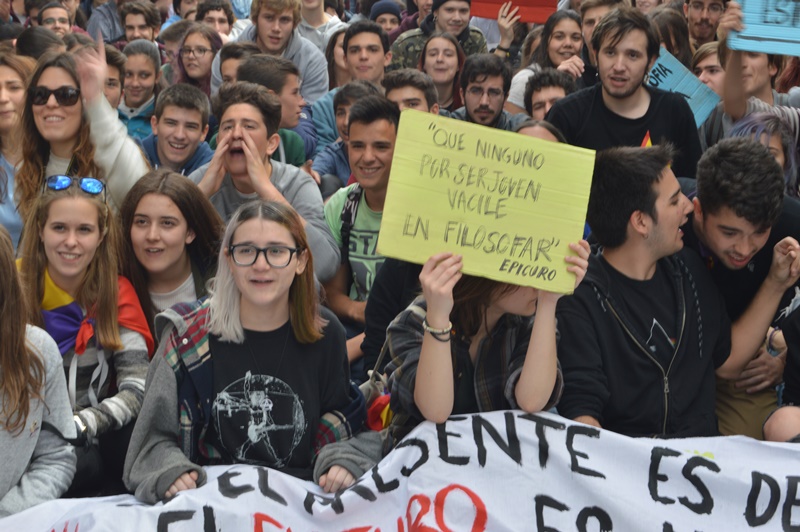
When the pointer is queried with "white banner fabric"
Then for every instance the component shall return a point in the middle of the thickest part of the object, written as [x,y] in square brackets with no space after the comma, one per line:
[500,471]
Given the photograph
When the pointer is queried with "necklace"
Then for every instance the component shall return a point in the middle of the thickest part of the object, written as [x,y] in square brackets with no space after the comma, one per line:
[283,351]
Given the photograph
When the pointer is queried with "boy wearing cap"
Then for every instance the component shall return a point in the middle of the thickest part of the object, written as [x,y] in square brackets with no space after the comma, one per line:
[386,13]
[451,16]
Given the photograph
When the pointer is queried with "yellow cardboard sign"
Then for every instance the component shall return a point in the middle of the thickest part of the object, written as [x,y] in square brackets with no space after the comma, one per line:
[509,203]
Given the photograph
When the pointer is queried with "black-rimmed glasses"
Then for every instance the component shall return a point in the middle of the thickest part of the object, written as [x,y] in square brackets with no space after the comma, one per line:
[276,256]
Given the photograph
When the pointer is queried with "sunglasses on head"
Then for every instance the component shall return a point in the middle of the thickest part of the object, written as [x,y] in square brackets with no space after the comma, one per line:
[90,185]
[67,96]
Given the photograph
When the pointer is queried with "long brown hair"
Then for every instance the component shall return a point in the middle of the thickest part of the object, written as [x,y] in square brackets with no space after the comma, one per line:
[471,299]
[36,150]
[99,287]
[457,101]
[200,215]
[22,375]
[23,66]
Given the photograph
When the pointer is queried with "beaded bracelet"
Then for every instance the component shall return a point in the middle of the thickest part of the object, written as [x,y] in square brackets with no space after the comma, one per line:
[443,335]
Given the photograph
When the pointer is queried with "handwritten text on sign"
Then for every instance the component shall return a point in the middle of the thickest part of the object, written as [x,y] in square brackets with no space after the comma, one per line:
[669,74]
[510,204]
[771,27]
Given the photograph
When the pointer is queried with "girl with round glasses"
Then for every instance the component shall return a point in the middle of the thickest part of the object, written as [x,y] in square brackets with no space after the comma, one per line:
[68,264]
[38,465]
[68,127]
[200,44]
[171,234]
[253,368]
[14,71]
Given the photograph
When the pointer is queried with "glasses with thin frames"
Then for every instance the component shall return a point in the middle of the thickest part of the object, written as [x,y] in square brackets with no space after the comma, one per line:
[90,185]
[478,92]
[66,96]
[276,256]
[197,52]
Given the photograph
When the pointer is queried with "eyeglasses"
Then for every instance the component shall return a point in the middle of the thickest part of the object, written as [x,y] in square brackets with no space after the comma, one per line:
[276,256]
[478,92]
[197,52]
[90,185]
[713,9]
[67,96]
[51,20]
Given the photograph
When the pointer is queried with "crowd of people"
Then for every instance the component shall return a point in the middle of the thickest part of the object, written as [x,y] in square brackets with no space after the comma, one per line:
[192,192]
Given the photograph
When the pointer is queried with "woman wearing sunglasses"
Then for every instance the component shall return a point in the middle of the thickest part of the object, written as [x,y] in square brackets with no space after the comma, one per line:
[37,465]
[68,262]
[14,70]
[170,235]
[283,363]
[68,127]
[200,44]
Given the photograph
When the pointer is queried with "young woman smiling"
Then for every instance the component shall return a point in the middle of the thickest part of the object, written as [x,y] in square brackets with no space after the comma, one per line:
[559,48]
[14,71]
[200,45]
[68,127]
[261,364]
[68,264]
[442,59]
[142,74]
[171,235]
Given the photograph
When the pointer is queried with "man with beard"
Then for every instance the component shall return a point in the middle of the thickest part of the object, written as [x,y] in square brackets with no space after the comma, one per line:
[485,82]
[622,110]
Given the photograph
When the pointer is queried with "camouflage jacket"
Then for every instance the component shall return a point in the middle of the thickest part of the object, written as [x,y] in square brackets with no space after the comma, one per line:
[408,47]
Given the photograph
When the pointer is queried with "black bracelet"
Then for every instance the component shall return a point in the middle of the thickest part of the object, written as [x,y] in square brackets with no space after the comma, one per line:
[506,50]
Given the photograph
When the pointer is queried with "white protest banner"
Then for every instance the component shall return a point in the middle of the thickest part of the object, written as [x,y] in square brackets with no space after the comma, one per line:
[670,75]
[771,27]
[509,203]
[499,471]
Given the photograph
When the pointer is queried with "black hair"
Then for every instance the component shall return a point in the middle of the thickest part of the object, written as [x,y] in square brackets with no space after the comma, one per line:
[623,183]
[548,77]
[373,108]
[740,173]
[479,67]
[363,26]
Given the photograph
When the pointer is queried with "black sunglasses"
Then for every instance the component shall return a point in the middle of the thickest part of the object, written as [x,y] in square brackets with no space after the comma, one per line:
[67,96]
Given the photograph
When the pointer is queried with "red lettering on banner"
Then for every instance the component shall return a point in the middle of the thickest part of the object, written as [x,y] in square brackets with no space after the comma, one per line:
[66,527]
[262,519]
[481,517]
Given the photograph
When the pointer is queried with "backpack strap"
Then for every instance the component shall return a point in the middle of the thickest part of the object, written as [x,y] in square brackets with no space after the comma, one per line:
[349,212]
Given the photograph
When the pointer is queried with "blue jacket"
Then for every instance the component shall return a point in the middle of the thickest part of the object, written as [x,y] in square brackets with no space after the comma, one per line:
[201,156]
[333,160]
[139,126]
[325,120]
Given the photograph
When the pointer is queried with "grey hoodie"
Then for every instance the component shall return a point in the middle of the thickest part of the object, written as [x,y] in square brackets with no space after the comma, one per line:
[300,51]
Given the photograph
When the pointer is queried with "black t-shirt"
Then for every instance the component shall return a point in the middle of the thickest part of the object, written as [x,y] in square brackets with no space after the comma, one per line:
[653,308]
[739,287]
[270,392]
[585,121]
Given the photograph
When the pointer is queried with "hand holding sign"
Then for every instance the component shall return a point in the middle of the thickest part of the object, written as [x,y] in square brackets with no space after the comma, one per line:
[508,203]
[770,27]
